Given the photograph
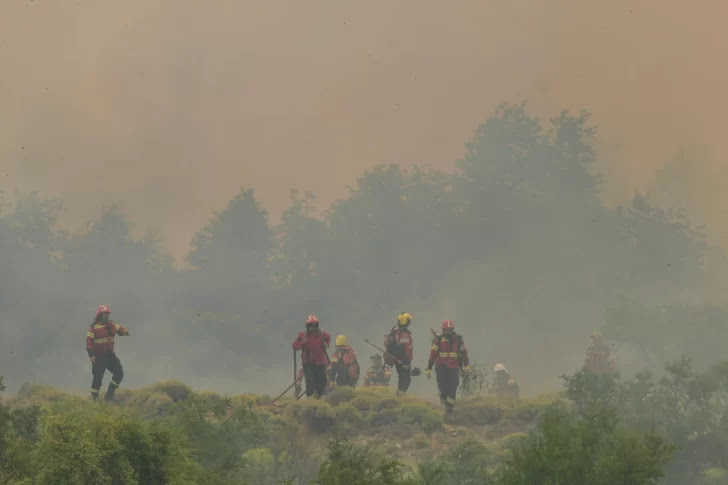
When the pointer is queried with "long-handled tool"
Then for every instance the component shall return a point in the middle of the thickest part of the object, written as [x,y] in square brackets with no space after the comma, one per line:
[295,373]
[415,370]
[298,379]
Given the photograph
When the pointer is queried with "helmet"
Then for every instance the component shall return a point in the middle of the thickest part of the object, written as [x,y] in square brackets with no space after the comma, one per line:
[376,357]
[596,336]
[311,320]
[404,318]
[341,341]
[102,309]
[448,325]
[499,367]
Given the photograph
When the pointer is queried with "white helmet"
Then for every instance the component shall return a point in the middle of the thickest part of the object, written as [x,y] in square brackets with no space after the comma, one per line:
[499,367]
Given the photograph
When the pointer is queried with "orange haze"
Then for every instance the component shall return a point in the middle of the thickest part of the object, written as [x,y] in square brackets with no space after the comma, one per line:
[168,107]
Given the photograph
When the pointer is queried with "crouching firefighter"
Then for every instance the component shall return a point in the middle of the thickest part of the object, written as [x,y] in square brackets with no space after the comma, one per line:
[344,366]
[398,345]
[378,374]
[100,348]
[313,344]
[448,355]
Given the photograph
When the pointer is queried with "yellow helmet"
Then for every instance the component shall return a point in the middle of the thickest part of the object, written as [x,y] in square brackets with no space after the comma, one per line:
[404,318]
[341,341]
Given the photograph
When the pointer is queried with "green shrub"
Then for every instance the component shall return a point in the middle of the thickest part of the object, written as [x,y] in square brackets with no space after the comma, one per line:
[364,402]
[348,419]
[341,394]
[317,415]
[350,464]
[176,390]
[513,440]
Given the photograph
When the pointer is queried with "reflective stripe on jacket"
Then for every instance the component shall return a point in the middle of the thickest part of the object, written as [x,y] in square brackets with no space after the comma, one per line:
[449,351]
[100,337]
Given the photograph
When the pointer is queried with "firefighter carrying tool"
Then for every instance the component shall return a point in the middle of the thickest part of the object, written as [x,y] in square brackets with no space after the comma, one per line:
[398,345]
[100,348]
[313,344]
[449,356]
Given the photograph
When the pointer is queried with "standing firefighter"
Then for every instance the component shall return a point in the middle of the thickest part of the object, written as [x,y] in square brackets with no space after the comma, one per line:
[100,348]
[378,374]
[313,344]
[503,383]
[398,344]
[344,366]
[598,356]
[449,356]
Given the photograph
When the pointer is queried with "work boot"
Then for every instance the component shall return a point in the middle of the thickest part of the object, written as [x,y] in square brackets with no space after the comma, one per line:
[110,392]
[94,395]
[401,393]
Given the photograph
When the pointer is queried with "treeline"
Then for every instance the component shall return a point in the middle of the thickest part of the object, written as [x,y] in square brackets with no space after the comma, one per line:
[515,246]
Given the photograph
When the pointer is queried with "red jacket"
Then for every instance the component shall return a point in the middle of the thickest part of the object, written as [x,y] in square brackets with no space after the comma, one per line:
[100,337]
[449,351]
[399,345]
[313,351]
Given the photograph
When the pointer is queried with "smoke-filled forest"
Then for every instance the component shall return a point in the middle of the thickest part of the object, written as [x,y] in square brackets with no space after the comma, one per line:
[224,174]
[514,246]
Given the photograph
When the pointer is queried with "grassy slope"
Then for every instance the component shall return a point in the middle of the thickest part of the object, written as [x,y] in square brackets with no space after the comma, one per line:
[409,427]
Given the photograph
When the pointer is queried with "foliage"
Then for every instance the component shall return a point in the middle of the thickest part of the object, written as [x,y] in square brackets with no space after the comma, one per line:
[352,464]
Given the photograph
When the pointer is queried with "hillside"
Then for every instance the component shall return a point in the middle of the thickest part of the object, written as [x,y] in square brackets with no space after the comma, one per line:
[249,437]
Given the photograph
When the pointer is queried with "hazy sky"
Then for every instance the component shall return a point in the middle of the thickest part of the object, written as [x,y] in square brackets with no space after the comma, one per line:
[169,107]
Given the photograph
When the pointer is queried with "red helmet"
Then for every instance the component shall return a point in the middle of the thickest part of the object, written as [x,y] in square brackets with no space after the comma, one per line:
[102,309]
[311,320]
[448,325]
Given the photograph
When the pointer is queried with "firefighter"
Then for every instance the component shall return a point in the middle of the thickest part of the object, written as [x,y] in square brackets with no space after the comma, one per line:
[100,348]
[398,344]
[449,356]
[313,343]
[503,383]
[598,356]
[344,366]
[378,374]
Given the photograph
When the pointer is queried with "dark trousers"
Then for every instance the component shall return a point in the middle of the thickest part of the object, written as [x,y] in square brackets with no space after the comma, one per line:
[404,377]
[315,376]
[447,382]
[103,362]
[340,375]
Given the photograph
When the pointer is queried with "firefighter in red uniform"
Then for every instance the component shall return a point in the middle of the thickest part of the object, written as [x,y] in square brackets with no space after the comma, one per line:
[449,355]
[398,344]
[344,366]
[100,348]
[313,343]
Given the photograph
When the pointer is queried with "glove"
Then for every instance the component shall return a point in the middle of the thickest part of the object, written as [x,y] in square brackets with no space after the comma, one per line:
[92,359]
[428,373]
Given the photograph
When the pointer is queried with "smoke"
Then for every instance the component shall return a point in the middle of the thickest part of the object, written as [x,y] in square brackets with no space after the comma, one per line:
[169,107]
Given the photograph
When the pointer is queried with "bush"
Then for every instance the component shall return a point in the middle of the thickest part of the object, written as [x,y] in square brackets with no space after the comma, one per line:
[317,415]
[348,419]
[364,403]
[477,412]
[341,394]
[176,390]
[350,464]
[513,440]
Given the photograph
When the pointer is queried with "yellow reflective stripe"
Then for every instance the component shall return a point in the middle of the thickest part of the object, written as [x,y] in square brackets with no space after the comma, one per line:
[114,383]
[435,347]
[103,340]
[90,334]
[454,354]
[94,391]
[451,400]
[117,326]
[98,326]
[449,354]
